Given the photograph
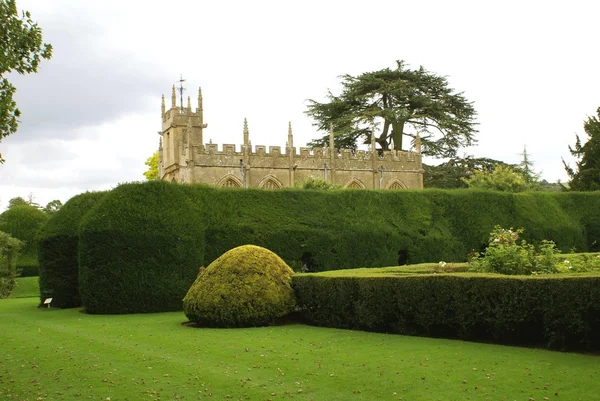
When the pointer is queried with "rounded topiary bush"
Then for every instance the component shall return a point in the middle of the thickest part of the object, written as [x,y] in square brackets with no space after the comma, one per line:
[246,286]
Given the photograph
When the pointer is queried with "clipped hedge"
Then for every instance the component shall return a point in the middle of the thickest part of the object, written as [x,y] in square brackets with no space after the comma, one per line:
[143,226]
[140,249]
[23,222]
[582,208]
[58,243]
[352,228]
[562,312]
[246,286]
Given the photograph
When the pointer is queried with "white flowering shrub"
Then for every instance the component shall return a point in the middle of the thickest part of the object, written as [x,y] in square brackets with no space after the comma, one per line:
[580,264]
[506,254]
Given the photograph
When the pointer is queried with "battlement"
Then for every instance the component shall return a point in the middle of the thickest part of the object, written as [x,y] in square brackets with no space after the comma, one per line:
[307,153]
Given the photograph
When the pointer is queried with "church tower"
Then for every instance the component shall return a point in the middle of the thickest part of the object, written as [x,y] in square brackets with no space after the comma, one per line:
[181,137]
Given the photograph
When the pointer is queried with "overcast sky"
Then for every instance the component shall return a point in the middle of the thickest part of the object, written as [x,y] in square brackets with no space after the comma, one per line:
[90,116]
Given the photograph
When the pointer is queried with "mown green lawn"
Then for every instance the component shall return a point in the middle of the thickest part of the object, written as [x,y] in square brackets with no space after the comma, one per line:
[26,287]
[53,354]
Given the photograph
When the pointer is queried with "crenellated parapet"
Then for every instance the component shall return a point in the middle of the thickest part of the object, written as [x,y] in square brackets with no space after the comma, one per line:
[308,153]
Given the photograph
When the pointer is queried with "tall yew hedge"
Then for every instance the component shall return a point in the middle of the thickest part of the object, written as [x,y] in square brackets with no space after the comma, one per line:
[140,249]
[58,244]
[141,246]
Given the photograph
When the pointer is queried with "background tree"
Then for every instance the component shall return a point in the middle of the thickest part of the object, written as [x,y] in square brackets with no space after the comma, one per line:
[546,186]
[152,163]
[394,99]
[22,201]
[527,168]
[21,50]
[23,222]
[502,178]
[586,176]
[52,207]
[454,172]
[17,201]
[9,249]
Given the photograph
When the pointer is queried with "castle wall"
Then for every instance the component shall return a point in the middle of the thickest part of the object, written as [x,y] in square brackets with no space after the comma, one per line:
[211,166]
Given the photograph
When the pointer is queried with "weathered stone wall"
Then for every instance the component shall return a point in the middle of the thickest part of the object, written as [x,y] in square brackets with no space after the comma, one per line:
[224,167]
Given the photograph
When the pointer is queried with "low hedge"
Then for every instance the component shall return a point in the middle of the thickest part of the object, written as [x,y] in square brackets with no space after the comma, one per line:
[58,243]
[561,312]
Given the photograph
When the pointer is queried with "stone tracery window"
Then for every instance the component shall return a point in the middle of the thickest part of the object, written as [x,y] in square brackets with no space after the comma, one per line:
[230,183]
[271,184]
[355,184]
[396,184]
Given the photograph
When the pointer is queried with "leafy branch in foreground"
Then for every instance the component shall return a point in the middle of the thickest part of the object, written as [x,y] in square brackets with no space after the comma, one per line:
[21,50]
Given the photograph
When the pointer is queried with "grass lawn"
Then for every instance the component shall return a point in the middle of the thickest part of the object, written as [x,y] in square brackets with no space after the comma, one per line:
[54,354]
[26,287]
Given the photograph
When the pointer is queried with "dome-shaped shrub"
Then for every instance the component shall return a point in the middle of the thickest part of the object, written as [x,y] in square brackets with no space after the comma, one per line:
[246,286]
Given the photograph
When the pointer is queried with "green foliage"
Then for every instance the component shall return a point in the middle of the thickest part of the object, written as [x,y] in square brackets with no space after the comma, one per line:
[454,172]
[140,249]
[322,229]
[152,163]
[58,248]
[506,255]
[526,167]
[315,183]
[52,207]
[579,263]
[21,201]
[151,232]
[561,312]
[502,178]
[23,222]
[581,207]
[396,98]
[544,185]
[586,176]
[246,286]
[22,49]
[17,201]
[9,249]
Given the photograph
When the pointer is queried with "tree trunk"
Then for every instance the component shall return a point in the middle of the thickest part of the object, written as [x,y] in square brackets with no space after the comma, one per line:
[383,138]
[397,134]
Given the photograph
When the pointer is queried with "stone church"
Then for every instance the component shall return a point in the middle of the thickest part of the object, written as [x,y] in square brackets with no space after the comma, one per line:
[184,157]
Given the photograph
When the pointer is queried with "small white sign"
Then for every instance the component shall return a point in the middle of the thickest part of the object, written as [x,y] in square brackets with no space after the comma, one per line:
[47,301]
